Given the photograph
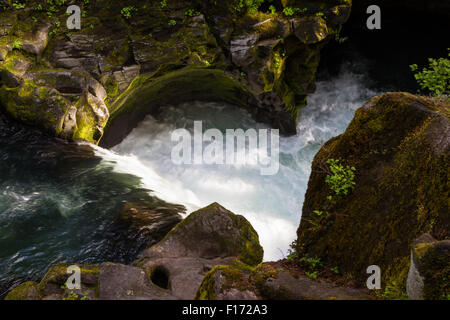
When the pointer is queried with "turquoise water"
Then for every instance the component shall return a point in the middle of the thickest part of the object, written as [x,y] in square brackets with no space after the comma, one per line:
[59,203]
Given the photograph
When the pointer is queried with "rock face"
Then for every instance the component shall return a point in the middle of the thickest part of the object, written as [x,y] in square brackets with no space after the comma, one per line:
[172,269]
[68,82]
[398,145]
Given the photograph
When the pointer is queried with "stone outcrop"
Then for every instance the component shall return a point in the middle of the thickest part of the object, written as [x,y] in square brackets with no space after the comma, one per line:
[69,82]
[270,282]
[398,145]
[172,269]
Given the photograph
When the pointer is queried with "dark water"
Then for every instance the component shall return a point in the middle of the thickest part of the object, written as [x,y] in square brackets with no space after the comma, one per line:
[58,203]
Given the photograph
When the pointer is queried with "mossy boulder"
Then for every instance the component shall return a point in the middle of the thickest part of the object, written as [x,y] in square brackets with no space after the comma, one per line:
[210,233]
[398,145]
[24,291]
[206,238]
[227,283]
[52,286]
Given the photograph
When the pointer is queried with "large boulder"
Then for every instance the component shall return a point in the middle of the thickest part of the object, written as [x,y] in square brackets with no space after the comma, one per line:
[385,185]
[209,237]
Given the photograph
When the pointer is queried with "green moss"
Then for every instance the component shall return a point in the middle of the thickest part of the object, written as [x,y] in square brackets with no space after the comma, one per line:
[234,275]
[24,291]
[398,196]
[435,267]
[146,93]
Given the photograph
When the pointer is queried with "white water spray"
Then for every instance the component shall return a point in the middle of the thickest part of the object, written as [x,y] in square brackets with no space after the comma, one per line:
[271,203]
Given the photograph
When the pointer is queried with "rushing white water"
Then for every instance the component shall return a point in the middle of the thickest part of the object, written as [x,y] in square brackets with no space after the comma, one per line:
[271,203]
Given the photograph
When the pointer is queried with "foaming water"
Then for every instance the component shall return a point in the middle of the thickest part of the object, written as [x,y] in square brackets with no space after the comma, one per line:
[271,203]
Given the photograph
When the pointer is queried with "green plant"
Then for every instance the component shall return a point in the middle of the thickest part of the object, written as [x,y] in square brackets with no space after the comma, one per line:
[341,178]
[312,262]
[335,270]
[17,44]
[128,11]
[393,292]
[311,275]
[272,9]
[250,6]
[163,4]
[318,212]
[292,252]
[191,13]
[172,23]
[18,5]
[289,11]
[435,78]
[70,296]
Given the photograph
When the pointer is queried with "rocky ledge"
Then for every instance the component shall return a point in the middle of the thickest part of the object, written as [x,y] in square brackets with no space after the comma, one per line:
[131,58]
[210,255]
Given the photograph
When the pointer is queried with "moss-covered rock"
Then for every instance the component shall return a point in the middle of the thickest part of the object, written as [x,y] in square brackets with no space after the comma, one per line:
[227,283]
[269,57]
[398,145]
[24,291]
[211,232]
[270,281]
[148,94]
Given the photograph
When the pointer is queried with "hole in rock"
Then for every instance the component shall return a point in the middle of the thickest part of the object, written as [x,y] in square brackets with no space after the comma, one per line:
[160,277]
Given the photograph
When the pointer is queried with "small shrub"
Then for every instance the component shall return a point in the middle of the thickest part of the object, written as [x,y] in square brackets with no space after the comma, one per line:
[311,275]
[312,262]
[128,11]
[341,178]
[435,78]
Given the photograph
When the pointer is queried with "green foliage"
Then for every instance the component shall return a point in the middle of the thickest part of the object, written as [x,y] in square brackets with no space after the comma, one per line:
[436,78]
[172,23]
[128,11]
[250,6]
[311,275]
[341,178]
[393,292]
[313,263]
[163,4]
[17,5]
[191,13]
[318,213]
[292,252]
[335,270]
[289,11]
[272,9]
[17,44]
